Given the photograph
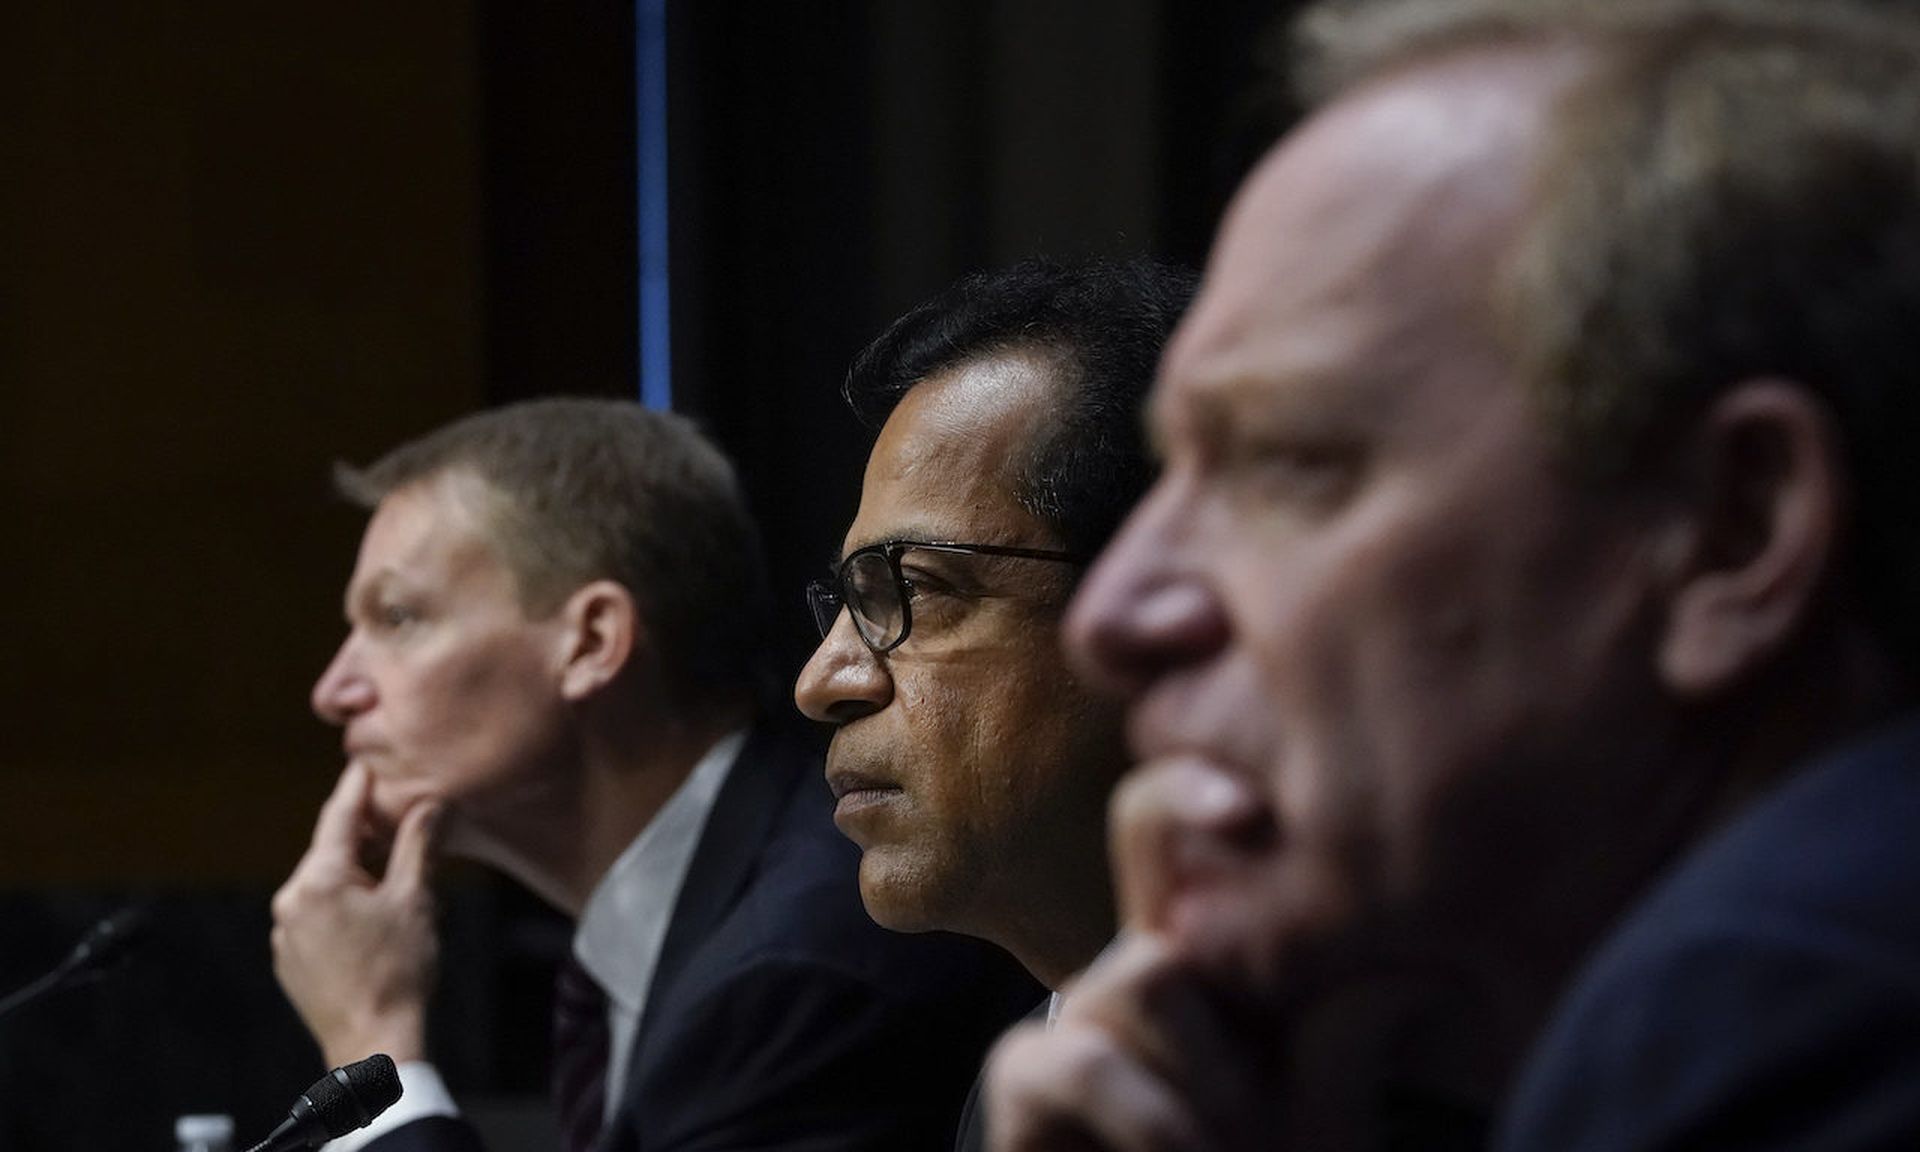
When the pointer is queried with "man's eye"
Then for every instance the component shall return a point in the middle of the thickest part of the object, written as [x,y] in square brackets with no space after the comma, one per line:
[921,580]
[392,616]
[928,592]
[1311,478]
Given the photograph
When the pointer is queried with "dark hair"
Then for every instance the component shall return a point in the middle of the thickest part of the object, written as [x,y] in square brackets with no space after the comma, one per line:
[581,490]
[1102,323]
[1732,192]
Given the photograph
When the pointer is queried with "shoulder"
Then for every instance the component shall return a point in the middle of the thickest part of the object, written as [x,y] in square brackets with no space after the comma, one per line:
[1766,995]
[786,1049]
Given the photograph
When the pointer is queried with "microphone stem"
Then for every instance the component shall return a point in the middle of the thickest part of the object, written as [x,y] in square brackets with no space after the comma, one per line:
[35,990]
[278,1139]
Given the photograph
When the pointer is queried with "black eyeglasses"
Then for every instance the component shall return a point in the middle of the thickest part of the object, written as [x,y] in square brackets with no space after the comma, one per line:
[870,585]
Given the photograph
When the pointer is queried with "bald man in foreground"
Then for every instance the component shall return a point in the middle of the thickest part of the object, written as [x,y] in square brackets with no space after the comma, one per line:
[1519,641]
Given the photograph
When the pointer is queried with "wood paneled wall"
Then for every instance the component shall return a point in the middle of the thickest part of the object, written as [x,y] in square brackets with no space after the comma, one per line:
[237,241]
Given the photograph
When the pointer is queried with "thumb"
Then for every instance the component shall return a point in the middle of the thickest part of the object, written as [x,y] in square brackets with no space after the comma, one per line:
[341,826]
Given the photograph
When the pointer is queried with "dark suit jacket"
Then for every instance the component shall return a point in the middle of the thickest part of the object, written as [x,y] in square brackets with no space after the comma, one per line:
[1767,996]
[972,1136]
[780,1016]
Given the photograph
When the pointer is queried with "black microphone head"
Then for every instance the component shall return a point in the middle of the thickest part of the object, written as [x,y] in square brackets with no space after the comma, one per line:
[350,1096]
[376,1080]
[110,941]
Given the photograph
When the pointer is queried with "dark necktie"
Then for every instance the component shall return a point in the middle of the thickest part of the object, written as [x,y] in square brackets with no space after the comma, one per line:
[580,1045]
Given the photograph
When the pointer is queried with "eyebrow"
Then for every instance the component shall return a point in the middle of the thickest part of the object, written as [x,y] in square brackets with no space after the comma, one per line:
[1204,418]
[1299,407]
[911,534]
[365,592]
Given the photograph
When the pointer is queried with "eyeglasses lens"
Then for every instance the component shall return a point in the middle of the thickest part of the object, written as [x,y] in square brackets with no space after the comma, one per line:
[874,597]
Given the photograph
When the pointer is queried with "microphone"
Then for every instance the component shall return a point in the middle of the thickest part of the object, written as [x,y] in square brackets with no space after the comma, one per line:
[104,946]
[344,1099]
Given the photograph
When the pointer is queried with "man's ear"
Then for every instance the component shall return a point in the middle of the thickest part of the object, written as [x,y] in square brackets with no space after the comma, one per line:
[601,628]
[1762,526]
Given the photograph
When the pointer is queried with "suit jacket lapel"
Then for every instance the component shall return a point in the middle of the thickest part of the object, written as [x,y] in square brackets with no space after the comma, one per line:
[756,789]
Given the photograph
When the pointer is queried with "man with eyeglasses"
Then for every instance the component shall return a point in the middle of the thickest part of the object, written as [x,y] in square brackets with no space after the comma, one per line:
[970,766]
[553,658]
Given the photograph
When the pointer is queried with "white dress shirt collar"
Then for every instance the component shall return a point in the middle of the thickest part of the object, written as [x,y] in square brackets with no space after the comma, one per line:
[624,923]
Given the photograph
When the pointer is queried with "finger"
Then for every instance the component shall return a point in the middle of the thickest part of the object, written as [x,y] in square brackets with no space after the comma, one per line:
[340,828]
[1125,938]
[1074,1087]
[1137,993]
[1177,825]
[1113,971]
[413,847]
[1212,1049]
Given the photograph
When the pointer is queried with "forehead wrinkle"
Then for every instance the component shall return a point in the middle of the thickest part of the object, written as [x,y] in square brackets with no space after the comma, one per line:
[944,434]
[979,406]
[947,463]
[923,532]
[435,529]
[1235,395]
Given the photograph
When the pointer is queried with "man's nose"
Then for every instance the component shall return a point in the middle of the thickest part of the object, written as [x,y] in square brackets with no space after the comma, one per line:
[1148,606]
[843,680]
[343,690]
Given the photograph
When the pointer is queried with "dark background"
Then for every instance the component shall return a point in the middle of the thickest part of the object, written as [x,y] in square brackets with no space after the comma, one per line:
[239,241]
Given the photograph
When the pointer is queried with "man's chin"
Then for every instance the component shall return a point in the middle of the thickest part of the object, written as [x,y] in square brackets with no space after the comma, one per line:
[897,895]
[387,802]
